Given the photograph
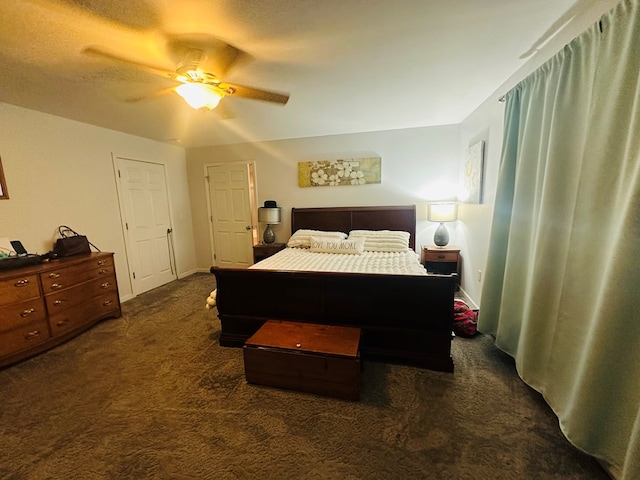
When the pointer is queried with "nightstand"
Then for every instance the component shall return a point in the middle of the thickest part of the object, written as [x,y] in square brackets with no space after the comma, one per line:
[442,260]
[264,250]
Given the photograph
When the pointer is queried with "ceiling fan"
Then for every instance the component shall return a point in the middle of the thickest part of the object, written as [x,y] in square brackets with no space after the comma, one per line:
[199,87]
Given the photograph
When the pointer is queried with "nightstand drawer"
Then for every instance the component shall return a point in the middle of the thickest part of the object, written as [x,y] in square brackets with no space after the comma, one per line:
[435,256]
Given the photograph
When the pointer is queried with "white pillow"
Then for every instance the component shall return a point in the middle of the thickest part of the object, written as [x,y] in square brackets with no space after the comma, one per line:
[331,245]
[302,237]
[382,240]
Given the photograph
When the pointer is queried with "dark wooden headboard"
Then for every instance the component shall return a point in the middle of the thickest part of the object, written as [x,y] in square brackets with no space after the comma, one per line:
[345,219]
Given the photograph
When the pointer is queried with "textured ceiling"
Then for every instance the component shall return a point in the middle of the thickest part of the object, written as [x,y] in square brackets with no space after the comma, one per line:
[348,65]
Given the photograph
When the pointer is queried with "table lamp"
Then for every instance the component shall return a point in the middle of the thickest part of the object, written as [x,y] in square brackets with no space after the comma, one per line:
[271,215]
[442,212]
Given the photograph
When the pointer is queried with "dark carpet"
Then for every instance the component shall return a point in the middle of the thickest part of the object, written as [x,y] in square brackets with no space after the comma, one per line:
[153,395]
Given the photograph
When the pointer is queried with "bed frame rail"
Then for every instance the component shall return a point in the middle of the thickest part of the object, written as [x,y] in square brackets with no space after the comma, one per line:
[402,317]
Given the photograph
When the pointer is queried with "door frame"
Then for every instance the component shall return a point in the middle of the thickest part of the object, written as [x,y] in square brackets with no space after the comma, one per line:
[253,199]
[123,222]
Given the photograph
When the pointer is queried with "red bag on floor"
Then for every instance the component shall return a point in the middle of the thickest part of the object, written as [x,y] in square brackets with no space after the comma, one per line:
[464,320]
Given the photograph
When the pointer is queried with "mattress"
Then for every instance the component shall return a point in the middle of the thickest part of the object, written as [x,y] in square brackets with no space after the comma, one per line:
[301,259]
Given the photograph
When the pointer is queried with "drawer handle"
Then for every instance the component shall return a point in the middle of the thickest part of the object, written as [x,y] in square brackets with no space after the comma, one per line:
[56,286]
[62,323]
[31,335]
[442,256]
[105,285]
[102,271]
[58,302]
[102,262]
[54,275]
[21,283]
[106,303]
[26,313]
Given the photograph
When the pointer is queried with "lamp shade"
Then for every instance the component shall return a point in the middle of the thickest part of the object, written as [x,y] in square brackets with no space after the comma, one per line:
[199,95]
[270,216]
[442,212]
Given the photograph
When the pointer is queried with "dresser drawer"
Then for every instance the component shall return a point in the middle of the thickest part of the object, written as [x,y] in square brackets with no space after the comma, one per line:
[18,289]
[59,301]
[84,313]
[62,278]
[22,313]
[24,337]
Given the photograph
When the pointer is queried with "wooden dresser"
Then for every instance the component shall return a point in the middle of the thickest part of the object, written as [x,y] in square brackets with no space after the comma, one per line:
[42,306]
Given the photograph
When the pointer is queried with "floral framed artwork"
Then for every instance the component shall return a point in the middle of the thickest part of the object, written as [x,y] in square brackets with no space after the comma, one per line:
[473,173]
[352,171]
[4,193]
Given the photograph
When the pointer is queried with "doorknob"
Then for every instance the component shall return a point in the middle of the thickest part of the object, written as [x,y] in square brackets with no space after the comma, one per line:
[248,227]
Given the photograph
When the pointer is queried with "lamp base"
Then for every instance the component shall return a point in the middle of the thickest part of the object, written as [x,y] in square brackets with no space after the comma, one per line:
[441,237]
[268,236]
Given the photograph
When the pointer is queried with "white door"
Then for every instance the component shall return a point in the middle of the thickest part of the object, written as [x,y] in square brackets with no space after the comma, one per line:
[231,221]
[144,200]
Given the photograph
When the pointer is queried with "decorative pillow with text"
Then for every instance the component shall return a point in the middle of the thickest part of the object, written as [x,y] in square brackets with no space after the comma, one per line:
[330,245]
[302,237]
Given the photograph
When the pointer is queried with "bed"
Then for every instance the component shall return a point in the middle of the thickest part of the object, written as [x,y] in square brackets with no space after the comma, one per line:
[403,317]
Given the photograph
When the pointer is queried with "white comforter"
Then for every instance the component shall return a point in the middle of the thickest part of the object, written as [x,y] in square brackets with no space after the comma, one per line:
[398,263]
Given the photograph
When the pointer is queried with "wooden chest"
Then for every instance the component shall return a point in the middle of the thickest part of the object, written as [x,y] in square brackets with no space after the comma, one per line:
[321,359]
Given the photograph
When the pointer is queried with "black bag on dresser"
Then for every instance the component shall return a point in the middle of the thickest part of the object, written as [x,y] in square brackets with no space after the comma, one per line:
[71,243]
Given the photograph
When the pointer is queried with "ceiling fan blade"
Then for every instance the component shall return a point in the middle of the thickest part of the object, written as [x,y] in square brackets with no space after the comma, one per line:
[256,94]
[151,96]
[100,52]
[223,58]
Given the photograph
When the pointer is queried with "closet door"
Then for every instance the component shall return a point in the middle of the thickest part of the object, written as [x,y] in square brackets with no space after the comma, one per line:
[145,207]
[230,204]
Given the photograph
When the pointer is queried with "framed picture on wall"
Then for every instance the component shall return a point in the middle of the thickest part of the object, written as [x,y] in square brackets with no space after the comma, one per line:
[352,171]
[473,173]
[4,194]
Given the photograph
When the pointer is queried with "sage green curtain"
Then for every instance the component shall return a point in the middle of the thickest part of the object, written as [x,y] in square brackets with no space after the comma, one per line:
[563,273]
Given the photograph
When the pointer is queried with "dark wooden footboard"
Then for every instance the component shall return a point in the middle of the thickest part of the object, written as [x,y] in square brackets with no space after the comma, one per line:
[402,317]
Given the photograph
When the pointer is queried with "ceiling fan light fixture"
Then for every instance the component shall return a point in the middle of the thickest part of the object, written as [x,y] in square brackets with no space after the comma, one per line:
[200,95]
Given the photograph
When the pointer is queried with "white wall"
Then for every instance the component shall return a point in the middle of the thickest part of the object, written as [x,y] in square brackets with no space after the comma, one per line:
[474,220]
[418,164]
[60,171]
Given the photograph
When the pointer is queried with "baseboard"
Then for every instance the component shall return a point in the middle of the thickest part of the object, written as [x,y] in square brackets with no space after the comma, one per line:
[192,271]
[125,298]
[462,295]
